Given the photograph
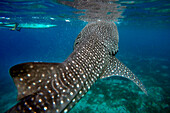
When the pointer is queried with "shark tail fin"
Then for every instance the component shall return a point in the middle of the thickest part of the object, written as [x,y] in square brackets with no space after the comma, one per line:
[30,77]
[116,68]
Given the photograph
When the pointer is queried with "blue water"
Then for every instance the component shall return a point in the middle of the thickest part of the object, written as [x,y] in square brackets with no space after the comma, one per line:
[144,47]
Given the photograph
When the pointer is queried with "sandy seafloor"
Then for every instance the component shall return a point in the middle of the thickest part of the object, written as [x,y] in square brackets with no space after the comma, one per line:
[144,51]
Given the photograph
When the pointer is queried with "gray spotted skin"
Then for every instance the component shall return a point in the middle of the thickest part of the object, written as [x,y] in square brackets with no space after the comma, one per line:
[57,87]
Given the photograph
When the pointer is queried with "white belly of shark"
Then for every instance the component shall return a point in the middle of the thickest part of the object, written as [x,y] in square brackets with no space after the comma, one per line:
[57,87]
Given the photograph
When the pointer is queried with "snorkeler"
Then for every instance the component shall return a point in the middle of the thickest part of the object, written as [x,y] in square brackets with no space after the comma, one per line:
[16,27]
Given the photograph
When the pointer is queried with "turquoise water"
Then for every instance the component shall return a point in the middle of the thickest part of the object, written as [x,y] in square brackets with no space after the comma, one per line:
[144,47]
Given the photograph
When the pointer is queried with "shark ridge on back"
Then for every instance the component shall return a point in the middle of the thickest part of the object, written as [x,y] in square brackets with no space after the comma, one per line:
[57,87]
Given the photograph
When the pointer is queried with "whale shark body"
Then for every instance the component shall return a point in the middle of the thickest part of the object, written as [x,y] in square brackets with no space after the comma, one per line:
[57,87]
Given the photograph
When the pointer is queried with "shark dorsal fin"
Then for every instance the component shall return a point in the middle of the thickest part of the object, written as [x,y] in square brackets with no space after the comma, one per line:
[29,77]
[116,68]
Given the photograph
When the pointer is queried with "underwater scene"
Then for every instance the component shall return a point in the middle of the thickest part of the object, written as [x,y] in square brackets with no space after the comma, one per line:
[45,31]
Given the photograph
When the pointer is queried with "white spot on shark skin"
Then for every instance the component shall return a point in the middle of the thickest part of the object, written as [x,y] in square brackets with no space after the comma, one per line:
[73,100]
[78,85]
[30,108]
[74,79]
[45,108]
[55,75]
[28,75]
[21,79]
[54,103]
[84,76]
[25,103]
[52,68]
[57,110]
[71,93]
[66,110]
[61,101]
[43,75]
[32,98]
[80,92]
[49,91]
[39,87]
[45,87]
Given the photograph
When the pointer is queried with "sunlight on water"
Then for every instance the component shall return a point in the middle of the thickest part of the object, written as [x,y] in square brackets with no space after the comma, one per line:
[138,12]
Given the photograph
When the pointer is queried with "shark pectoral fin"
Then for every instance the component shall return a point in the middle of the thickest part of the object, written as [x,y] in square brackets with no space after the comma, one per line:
[116,68]
[30,77]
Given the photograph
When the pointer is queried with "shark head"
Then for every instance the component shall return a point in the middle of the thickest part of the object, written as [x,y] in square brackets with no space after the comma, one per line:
[57,87]
[106,32]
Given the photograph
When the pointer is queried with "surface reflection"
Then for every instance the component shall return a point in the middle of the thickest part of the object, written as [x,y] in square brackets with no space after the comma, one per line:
[93,10]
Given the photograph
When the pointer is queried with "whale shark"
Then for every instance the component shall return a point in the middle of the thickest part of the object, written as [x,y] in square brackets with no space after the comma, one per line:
[57,87]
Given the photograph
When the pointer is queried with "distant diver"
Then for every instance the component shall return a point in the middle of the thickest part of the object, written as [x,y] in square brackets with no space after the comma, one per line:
[15,27]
